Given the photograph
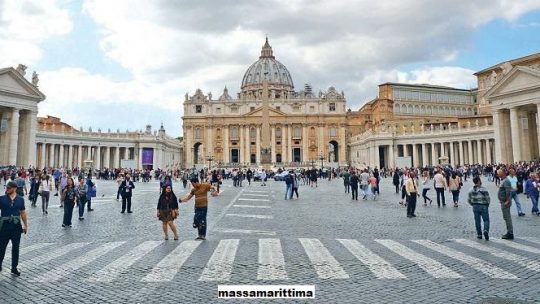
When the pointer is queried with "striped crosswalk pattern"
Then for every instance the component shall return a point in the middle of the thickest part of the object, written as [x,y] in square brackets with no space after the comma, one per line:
[325,264]
[252,206]
[220,266]
[167,268]
[518,246]
[257,216]
[81,261]
[478,264]
[115,268]
[254,199]
[271,260]
[378,266]
[455,259]
[530,264]
[429,265]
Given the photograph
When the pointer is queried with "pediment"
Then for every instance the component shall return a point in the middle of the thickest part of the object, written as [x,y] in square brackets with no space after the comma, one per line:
[517,80]
[258,113]
[11,82]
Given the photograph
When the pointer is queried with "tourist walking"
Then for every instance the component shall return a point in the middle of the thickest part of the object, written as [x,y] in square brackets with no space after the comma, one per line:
[440,185]
[126,191]
[69,197]
[425,187]
[82,190]
[119,181]
[346,181]
[403,181]
[514,196]
[412,192]
[12,212]
[531,188]
[364,182]
[479,199]
[167,211]
[395,180]
[34,190]
[354,185]
[45,190]
[200,191]
[373,186]
[505,198]
[92,192]
[289,182]
[294,186]
[454,186]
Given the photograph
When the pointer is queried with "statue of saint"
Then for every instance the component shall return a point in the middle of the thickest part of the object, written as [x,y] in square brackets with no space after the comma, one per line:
[35,78]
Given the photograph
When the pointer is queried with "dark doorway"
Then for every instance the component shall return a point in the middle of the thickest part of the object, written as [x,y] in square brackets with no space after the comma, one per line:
[278,158]
[297,155]
[253,158]
[196,152]
[334,152]
[235,156]
[382,162]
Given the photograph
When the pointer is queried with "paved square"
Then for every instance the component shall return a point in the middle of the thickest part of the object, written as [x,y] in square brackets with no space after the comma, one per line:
[364,251]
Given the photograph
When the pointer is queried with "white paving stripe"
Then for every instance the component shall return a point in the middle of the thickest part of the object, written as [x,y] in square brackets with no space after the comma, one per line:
[517,246]
[377,265]
[220,265]
[531,239]
[259,216]
[532,265]
[245,231]
[326,266]
[258,195]
[53,254]
[167,268]
[30,248]
[429,265]
[271,260]
[254,199]
[252,206]
[476,263]
[115,268]
[77,263]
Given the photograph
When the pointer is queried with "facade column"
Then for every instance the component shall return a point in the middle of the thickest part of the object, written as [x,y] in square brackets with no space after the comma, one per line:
[461,155]
[391,156]
[51,155]
[247,151]
[452,155]
[226,152]
[61,156]
[497,132]
[434,161]
[258,144]
[42,163]
[79,156]
[321,140]
[516,133]
[416,163]
[424,155]
[14,137]
[31,139]
[98,157]
[405,150]
[273,143]
[305,144]
[479,152]
[242,144]
[70,157]
[139,161]
[469,150]
[116,161]
[289,144]
[488,151]
[209,141]
[284,133]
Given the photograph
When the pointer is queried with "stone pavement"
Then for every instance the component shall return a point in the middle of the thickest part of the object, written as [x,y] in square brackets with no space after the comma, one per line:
[364,251]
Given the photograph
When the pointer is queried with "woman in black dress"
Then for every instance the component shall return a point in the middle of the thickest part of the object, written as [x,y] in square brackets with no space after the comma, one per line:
[167,211]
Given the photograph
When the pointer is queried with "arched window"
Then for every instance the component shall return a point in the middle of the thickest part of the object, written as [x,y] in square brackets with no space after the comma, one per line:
[297,132]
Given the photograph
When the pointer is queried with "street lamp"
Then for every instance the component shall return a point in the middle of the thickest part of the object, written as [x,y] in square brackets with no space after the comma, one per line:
[209,158]
[321,158]
[312,163]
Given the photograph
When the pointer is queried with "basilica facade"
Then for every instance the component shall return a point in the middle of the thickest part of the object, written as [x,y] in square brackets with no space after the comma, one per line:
[268,116]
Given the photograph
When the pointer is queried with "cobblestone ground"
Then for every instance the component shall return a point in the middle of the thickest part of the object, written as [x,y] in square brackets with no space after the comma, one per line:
[364,251]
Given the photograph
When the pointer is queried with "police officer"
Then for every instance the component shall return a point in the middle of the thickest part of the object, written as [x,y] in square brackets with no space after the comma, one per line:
[12,212]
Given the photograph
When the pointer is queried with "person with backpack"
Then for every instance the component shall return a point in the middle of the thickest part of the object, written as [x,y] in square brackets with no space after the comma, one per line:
[479,199]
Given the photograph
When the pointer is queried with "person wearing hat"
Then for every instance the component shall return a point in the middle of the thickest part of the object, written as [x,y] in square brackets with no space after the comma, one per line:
[12,212]
[200,191]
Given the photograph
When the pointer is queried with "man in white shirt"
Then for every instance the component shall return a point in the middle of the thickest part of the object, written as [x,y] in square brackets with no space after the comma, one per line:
[440,185]
[514,195]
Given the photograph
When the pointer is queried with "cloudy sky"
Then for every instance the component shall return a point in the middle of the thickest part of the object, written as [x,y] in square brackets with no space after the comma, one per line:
[127,63]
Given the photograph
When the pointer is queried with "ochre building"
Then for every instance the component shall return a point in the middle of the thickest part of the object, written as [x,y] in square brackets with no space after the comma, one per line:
[266,118]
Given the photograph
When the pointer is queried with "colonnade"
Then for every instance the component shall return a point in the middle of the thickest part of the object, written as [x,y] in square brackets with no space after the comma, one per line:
[17,136]
[71,156]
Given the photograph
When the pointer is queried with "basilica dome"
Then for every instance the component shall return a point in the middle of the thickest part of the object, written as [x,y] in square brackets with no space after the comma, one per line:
[267,67]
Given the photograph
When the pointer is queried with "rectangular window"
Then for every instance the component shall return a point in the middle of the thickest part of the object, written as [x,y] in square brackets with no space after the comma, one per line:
[234,110]
[218,110]
[198,109]
[332,107]
[312,109]
[251,109]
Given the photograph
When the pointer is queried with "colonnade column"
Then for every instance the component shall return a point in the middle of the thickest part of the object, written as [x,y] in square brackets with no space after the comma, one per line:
[305,145]
[226,152]
[461,156]
[258,144]
[416,162]
[61,156]
[405,150]
[107,159]
[116,159]
[98,157]
[424,155]
[433,155]
[452,154]
[14,137]
[247,150]
[488,151]
[43,164]
[51,155]
[516,133]
[70,157]
[391,156]
[469,150]
[479,151]
[289,144]
[31,140]
[273,143]
[242,144]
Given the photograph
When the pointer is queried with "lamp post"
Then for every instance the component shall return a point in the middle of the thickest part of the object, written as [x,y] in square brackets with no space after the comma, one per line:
[321,158]
[209,158]
[312,163]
